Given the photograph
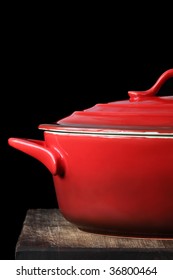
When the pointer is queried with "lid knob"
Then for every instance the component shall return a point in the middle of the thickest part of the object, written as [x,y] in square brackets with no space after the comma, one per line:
[137,95]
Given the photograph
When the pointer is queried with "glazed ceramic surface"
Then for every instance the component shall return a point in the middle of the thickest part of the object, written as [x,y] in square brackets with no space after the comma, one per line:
[112,164]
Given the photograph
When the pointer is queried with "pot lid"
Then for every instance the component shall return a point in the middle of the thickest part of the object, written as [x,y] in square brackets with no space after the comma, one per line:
[142,111]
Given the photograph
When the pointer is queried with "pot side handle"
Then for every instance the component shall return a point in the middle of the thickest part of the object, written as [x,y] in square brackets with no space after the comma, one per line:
[137,95]
[38,149]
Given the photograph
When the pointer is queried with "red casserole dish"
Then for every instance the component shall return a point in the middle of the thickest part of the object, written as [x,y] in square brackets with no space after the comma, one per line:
[112,164]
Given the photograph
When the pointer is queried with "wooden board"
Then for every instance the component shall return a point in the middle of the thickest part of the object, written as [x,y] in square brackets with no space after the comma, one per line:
[46,234]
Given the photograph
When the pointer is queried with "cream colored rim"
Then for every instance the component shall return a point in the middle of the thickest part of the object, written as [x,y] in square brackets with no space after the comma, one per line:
[106,132]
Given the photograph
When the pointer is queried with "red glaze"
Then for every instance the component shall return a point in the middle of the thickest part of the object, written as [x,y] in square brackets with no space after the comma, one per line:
[142,111]
[137,95]
[110,182]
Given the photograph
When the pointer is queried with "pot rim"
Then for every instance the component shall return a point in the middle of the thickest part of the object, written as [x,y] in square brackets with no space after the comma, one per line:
[155,132]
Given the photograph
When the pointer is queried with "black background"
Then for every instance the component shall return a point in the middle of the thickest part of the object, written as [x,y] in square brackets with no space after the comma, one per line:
[52,68]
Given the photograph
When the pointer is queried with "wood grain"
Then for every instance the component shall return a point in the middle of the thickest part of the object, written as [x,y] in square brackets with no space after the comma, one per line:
[46,234]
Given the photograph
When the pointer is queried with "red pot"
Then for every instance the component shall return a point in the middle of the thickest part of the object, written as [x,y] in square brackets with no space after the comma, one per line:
[112,164]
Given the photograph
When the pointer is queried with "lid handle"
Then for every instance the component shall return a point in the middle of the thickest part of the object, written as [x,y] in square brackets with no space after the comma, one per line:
[137,95]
